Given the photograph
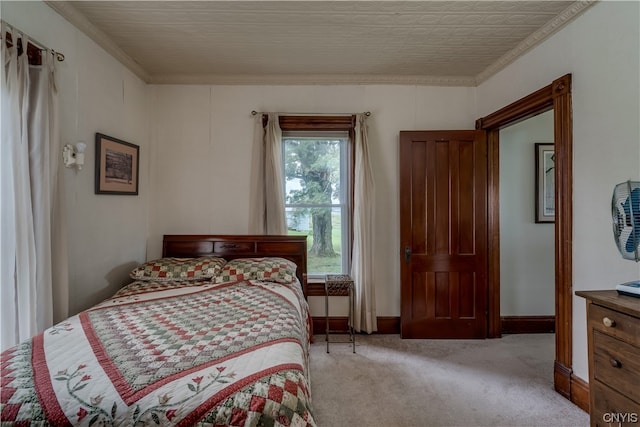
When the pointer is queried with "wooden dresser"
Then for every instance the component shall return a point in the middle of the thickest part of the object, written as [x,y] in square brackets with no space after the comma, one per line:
[613,324]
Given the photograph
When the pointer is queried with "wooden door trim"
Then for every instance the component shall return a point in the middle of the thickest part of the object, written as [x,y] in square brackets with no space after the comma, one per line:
[522,109]
[494,324]
[556,96]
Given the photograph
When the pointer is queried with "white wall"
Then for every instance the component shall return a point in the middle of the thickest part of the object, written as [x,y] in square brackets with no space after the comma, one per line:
[202,146]
[601,49]
[107,234]
[527,286]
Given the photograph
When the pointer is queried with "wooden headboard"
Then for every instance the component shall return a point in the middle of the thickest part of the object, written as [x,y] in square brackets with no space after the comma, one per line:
[293,248]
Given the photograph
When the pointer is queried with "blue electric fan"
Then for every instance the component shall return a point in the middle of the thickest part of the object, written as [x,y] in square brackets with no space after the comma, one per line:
[625,207]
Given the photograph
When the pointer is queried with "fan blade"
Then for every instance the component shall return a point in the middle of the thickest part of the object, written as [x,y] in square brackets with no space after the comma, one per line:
[631,208]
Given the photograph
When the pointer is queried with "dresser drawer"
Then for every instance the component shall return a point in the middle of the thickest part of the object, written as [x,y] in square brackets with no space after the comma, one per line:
[610,408]
[622,326]
[617,364]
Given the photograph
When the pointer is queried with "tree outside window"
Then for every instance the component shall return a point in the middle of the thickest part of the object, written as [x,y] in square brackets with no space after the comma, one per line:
[316,196]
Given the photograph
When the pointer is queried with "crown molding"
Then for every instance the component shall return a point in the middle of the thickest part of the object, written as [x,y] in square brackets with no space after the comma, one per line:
[312,79]
[536,38]
[78,20]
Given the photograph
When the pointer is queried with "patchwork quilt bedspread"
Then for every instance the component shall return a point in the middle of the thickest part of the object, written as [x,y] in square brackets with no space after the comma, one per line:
[168,354]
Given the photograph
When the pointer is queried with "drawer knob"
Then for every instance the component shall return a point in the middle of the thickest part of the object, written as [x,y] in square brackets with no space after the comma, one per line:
[615,363]
[609,323]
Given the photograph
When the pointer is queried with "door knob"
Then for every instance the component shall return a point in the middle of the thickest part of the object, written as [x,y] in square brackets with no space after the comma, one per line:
[407,254]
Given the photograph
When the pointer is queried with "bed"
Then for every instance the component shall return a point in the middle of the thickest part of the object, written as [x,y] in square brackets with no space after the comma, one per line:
[216,332]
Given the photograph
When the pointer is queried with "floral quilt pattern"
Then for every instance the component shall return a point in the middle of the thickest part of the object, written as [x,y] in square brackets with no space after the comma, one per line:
[227,354]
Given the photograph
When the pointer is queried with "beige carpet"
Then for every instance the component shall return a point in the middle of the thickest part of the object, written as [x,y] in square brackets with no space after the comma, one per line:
[394,382]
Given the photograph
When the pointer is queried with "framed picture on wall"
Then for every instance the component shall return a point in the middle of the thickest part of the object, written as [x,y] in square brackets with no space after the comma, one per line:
[117,165]
[545,182]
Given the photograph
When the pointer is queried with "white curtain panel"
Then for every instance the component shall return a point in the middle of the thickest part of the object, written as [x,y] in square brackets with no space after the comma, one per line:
[47,194]
[18,241]
[363,233]
[31,209]
[10,131]
[267,215]
[275,221]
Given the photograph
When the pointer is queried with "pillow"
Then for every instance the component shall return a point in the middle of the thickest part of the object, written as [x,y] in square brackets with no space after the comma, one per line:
[278,270]
[178,269]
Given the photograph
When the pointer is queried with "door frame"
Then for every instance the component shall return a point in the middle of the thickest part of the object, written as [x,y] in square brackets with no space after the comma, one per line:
[556,96]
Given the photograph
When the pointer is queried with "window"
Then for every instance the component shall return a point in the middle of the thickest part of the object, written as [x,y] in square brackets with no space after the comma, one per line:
[317,170]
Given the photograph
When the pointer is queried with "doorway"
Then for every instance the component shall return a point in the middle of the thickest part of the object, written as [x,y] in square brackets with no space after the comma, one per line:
[527,291]
[556,96]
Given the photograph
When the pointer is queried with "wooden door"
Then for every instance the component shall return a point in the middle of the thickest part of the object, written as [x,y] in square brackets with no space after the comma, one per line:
[443,232]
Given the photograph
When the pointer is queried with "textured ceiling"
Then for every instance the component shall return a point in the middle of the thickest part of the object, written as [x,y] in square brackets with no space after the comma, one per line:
[450,42]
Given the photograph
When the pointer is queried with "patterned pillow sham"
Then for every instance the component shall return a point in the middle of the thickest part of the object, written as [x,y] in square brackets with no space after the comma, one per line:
[178,269]
[278,270]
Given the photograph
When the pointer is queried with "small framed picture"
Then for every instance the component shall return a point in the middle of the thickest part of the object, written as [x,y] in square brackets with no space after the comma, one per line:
[545,182]
[117,165]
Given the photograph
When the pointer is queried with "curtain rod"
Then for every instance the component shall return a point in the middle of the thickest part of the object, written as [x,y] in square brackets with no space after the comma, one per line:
[366,113]
[59,55]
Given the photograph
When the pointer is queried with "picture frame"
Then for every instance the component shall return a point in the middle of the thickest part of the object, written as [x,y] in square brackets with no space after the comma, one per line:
[545,182]
[117,166]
